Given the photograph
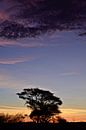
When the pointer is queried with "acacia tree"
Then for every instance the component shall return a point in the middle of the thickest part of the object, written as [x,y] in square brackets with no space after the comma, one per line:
[43,103]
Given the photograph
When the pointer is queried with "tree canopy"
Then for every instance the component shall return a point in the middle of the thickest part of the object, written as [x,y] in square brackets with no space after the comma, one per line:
[43,103]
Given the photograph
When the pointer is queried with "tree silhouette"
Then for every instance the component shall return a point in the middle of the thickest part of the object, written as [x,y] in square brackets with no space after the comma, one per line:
[62,120]
[43,103]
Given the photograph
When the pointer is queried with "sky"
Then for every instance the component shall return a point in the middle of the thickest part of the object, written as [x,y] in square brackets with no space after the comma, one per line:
[53,60]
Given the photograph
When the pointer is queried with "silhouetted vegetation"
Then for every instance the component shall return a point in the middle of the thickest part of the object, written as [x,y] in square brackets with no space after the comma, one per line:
[6,118]
[44,104]
[61,120]
[12,122]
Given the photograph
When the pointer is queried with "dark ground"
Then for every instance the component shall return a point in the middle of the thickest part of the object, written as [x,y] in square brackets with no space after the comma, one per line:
[44,126]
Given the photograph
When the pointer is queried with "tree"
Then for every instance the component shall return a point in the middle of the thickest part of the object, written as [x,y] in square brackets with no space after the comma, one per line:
[62,120]
[43,104]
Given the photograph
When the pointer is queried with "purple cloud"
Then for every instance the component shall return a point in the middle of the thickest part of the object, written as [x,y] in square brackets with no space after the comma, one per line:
[43,16]
[70,74]
[15,60]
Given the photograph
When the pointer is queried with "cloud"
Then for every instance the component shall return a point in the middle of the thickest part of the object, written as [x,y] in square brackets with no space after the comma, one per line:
[10,43]
[4,43]
[73,111]
[45,16]
[10,107]
[74,114]
[69,74]
[13,110]
[15,60]
[3,15]
[32,43]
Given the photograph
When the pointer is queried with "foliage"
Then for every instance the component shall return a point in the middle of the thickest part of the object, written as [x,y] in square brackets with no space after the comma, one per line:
[6,118]
[43,103]
[61,120]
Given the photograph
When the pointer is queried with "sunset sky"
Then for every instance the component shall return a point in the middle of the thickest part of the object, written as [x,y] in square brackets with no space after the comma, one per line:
[54,61]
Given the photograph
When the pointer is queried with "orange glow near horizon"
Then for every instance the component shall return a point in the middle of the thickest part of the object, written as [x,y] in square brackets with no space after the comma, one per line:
[75,115]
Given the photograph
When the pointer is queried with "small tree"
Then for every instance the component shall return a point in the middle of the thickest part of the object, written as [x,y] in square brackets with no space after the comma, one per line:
[62,120]
[43,103]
